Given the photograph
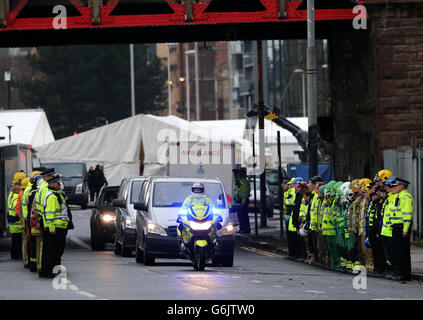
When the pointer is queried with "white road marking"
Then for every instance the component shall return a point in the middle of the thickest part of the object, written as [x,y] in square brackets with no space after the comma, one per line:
[315,291]
[73,287]
[256,281]
[87,294]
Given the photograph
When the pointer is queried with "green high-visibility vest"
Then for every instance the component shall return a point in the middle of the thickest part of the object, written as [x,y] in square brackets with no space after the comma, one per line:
[14,227]
[386,222]
[328,218]
[56,212]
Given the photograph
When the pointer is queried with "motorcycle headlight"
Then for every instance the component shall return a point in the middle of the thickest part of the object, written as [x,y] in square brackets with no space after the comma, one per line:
[200,225]
[78,188]
[108,217]
[130,223]
[155,228]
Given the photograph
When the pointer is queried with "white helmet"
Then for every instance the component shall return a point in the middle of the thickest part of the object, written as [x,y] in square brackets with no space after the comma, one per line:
[303,232]
[197,188]
[344,186]
[345,190]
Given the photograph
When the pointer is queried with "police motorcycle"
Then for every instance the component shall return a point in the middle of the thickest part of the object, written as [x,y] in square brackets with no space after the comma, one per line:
[197,226]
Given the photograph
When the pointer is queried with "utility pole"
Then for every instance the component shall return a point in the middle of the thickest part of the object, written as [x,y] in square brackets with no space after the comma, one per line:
[197,84]
[131,55]
[311,91]
[169,82]
[260,107]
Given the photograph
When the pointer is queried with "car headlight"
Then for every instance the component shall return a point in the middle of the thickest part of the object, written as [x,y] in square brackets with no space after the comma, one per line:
[130,223]
[200,225]
[156,229]
[78,188]
[228,229]
[108,217]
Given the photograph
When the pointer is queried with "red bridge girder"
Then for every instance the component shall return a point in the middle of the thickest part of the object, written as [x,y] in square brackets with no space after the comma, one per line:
[115,23]
[200,17]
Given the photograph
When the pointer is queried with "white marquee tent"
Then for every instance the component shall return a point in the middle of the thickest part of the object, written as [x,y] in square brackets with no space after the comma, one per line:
[136,145]
[30,126]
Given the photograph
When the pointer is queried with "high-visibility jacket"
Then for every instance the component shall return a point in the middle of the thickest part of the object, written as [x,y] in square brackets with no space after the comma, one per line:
[386,221]
[15,223]
[319,211]
[19,206]
[402,211]
[328,218]
[294,213]
[196,200]
[241,190]
[25,199]
[314,209]
[40,203]
[56,211]
[290,197]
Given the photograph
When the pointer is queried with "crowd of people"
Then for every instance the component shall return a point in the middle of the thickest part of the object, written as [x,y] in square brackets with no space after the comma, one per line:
[38,218]
[349,224]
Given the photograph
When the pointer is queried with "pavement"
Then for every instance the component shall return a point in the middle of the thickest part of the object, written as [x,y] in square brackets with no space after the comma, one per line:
[269,238]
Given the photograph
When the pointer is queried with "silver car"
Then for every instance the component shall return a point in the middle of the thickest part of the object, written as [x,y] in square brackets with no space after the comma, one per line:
[128,194]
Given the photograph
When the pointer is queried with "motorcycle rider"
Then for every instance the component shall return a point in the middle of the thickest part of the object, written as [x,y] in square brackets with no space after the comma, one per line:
[197,197]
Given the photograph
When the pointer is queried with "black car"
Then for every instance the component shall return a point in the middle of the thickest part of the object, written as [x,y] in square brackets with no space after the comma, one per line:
[102,222]
[74,177]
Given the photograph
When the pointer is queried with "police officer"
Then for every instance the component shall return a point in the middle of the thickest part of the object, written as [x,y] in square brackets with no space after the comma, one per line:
[401,219]
[373,229]
[39,201]
[296,248]
[241,196]
[56,224]
[13,217]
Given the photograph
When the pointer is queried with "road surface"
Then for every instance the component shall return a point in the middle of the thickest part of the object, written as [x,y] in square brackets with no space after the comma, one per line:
[256,275]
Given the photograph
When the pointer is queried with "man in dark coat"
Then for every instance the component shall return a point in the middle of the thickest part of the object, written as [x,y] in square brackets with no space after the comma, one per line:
[91,182]
[100,179]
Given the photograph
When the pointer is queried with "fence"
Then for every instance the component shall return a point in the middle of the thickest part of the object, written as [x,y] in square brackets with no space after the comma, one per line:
[406,164]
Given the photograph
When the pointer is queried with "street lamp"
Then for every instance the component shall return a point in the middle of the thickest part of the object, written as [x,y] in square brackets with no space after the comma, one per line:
[304,91]
[8,78]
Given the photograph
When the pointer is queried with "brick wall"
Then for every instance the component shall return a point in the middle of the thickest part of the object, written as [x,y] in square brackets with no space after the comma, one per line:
[398,48]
